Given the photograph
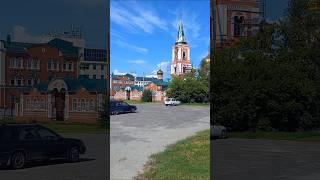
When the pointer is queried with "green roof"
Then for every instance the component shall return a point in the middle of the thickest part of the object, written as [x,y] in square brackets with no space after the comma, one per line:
[64,46]
[159,83]
[73,85]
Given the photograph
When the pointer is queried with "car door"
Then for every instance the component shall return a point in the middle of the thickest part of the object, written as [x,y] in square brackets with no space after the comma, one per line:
[29,141]
[215,131]
[54,145]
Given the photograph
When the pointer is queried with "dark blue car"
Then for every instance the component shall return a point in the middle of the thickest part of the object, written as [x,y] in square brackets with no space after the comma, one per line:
[22,143]
[119,107]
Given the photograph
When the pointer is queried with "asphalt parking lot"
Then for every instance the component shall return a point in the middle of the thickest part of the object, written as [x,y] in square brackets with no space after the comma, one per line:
[135,136]
[93,165]
[245,159]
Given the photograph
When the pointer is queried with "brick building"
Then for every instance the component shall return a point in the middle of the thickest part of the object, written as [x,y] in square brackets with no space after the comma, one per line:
[23,65]
[43,82]
[232,19]
[65,99]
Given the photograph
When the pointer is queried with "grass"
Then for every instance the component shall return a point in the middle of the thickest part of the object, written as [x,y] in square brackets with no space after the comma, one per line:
[197,104]
[65,127]
[295,136]
[187,159]
[139,102]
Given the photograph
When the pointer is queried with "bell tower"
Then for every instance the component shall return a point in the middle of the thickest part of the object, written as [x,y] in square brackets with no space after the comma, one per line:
[180,54]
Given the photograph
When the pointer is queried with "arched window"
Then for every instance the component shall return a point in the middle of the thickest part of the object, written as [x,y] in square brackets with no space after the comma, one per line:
[43,104]
[87,104]
[92,105]
[35,104]
[28,104]
[83,105]
[74,104]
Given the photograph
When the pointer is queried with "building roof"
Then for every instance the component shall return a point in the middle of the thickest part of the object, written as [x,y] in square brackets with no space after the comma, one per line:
[73,85]
[181,39]
[159,83]
[65,47]
[145,78]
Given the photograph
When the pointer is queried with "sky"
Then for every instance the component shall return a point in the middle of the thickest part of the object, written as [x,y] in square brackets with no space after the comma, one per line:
[143,32]
[31,18]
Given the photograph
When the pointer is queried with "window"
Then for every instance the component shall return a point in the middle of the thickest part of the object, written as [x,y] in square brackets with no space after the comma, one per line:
[46,134]
[74,104]
[35,104]
[94,67]
[102,76]
[43,50]
[16,63]
[70,66]
[20,81]
[30,82]
[83,105]
[64,66]
[94,76]
[53,65]
[43,104]
[87,104]
[102,67]
[27,135]
[184,55]
[12,81]
[28,104]
[92,105]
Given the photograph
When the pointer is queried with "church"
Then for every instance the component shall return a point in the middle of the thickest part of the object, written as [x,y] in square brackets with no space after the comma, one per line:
[181,63]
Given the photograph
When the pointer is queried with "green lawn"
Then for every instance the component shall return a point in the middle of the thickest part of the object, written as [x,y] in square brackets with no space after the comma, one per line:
[187,159]
[140,102]
[64,127]
[296,136]
[197,104]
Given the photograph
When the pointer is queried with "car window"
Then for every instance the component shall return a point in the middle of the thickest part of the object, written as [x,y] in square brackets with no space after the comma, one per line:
[46,134]
[28,134]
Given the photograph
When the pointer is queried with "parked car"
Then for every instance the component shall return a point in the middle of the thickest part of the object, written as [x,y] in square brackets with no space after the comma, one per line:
[218,131]
[171,102]
[22,143]
[118,107]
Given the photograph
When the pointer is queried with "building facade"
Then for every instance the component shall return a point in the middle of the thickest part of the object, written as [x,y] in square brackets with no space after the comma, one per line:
[94,65]
[181,63]
[69,100]
[233,19]
[128,87]
[24,65]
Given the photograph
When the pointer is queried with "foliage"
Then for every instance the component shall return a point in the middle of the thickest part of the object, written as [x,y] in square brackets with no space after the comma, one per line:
[270,81]
[146,96]
[188,89]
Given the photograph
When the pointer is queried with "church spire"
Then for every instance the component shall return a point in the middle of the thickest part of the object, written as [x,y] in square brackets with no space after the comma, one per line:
[180,37]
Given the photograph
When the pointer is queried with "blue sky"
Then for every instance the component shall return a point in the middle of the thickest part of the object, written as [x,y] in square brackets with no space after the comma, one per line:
[142,32]
[31,18]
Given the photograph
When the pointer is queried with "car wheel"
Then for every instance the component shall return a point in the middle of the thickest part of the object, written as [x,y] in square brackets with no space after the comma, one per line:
[223,134]
[115,113]
[73,154]
[17,160]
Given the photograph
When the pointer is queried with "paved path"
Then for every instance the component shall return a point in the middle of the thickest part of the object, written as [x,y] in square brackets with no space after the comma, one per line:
[134,137]
[94,164]
[245,159]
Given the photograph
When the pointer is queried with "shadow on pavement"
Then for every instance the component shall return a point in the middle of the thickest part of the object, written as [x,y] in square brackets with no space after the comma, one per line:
[47,163]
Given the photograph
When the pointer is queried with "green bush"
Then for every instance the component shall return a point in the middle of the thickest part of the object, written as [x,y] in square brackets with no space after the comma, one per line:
[146,96]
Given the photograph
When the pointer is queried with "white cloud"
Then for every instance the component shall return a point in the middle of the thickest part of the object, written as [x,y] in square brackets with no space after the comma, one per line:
[20,34]
[138,62]
[164,66]
[117,72]
[131,46]
[134,17]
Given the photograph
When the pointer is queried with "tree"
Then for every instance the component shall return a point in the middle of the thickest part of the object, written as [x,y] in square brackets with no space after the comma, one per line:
[146,96]
[270,81]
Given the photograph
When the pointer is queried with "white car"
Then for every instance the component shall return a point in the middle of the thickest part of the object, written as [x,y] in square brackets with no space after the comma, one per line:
[218,131]
[171,102]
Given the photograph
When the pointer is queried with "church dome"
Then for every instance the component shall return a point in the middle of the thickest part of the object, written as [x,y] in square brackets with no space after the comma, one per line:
[160,72]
